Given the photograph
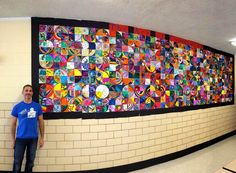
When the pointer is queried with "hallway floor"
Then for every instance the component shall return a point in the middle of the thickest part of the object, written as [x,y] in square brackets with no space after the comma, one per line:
[207,160]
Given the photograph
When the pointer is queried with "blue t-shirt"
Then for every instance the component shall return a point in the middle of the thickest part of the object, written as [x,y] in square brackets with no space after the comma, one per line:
[27,114]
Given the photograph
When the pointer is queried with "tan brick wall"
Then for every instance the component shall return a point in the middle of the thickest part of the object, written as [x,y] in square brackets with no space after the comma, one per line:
[73,145]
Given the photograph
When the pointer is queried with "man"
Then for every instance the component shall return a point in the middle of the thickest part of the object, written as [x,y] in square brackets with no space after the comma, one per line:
[28,114]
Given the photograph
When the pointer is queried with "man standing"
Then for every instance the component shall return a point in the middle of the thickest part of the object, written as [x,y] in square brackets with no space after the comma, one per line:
[28,114]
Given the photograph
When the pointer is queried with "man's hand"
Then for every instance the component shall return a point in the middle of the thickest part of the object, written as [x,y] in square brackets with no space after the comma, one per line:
[13,144]
[41,142]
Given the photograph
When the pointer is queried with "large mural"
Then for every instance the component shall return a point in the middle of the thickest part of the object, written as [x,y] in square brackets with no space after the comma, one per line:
[102,67]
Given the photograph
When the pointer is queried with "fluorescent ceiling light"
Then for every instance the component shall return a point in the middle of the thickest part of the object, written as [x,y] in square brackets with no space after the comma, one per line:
[233,41]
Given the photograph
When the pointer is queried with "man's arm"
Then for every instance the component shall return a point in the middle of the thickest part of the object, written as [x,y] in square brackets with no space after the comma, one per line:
[41,129]
[13,130]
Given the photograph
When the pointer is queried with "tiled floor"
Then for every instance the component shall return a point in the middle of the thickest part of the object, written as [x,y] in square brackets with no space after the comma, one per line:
[231,166]
[208,160]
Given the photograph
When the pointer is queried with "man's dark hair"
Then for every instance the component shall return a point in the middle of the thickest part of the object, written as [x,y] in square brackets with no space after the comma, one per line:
[27,85]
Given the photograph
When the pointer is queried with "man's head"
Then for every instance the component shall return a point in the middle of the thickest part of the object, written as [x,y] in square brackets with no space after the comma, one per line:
[27,92]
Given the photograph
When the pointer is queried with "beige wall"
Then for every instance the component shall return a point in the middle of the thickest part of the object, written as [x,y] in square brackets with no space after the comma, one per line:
[73,145]
[15,57]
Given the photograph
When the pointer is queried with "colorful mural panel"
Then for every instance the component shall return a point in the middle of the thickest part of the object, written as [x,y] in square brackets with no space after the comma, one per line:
[97,70]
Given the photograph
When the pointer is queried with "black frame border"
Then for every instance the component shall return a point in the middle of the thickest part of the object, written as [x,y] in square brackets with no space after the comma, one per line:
[36,21]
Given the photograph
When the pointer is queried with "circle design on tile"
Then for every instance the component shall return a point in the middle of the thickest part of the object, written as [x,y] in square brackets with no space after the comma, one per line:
[102,91]
[45,61]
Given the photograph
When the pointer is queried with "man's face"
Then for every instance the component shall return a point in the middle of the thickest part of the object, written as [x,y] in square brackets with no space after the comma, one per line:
[27,92]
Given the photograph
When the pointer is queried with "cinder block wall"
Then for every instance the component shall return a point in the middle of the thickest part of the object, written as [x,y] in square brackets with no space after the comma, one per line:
[92,144]
[73,145]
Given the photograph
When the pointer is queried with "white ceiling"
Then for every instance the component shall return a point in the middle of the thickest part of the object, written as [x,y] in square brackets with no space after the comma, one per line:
[209,22]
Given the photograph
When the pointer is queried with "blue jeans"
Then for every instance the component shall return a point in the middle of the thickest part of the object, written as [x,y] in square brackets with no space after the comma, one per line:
[30,145]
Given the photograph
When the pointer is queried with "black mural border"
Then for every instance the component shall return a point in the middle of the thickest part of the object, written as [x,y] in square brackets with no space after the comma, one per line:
[36,21]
